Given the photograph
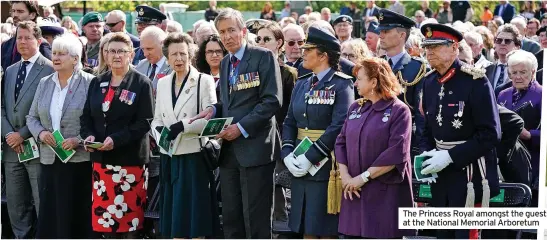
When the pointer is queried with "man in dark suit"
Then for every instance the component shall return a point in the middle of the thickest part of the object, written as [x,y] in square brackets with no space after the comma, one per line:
[507,40]
[251,93]
[505,10]
[409,71]
[21,81]
[22,11]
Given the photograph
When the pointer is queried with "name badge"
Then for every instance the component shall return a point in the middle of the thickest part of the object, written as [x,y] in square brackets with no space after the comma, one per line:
[104,84]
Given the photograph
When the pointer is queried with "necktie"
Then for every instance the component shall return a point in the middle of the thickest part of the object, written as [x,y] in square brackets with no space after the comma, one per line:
[234,62]
[502,76]
[153,72]
[314,81]
[21,75]
[290,64]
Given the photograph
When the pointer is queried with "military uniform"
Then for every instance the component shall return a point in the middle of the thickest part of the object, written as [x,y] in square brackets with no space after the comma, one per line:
[92,51]
[318,108]
[148,15]
[462,121]
[342,19]
[409,71]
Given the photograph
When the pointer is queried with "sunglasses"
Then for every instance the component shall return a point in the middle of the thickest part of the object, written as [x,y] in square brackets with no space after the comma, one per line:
[505,41]
[112,24]
[266,39]
[347,55]
[292,42]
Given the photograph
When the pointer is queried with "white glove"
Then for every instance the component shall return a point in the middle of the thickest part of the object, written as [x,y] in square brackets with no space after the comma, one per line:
[438,161]
[289,161]
[428,180]
[302,162]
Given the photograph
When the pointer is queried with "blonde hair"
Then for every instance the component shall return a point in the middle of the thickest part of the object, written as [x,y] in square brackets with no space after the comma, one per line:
[102,67]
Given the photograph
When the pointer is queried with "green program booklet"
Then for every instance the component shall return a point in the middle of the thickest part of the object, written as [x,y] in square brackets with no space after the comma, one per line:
[163,143]
[63,155]
[30,151]
[215,126]
[302,148]
[418,161]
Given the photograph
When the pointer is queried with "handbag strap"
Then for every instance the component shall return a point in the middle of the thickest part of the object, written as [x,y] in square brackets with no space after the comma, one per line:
[197,108]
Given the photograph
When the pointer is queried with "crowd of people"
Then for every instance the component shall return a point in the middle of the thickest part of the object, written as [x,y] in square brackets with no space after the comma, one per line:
[466,98]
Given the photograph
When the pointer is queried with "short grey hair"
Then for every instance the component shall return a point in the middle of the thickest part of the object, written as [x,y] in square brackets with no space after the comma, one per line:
[117,13]
[174,24]
[154,32]
[475,36]
[519,56]
[230,13]
[314,16]
[71,44]
[203,32]
[178,37]
[414,40]
[465,50]
[292,26]
[325,9]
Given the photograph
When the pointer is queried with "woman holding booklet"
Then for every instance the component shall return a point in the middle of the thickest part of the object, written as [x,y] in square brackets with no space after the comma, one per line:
[117,110]
[318,107]
[186,207]
[373,150]
[65,206]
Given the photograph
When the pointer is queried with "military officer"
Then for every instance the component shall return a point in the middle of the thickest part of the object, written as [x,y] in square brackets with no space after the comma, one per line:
[394,32]
[146,16]
[462,128]
[343,26]
[319,105]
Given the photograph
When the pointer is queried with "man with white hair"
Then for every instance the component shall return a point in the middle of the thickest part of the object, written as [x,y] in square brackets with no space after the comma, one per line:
[250,93]
[294,38]
[419,17]
[173,26]
[527,44]
[155,64]
[476,43]
[205,30]
[115,21]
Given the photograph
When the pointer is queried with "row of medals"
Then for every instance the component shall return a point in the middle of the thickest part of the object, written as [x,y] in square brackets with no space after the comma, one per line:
[320,97]
[245,85]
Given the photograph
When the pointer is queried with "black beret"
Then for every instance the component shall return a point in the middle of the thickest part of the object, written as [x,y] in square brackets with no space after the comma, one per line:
[343,18]
[149,14]
[318,37]
[436,34]
[52,30]
[389,20]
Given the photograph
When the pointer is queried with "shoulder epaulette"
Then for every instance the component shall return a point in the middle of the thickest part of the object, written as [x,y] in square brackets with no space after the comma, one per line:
[343,75]
[305,75]
[473,71]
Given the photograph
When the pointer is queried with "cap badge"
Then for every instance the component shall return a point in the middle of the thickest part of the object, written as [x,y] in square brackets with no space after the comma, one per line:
[141,12]
[381,16]
[100,17]
[429,33]
[256,25]
[344,19]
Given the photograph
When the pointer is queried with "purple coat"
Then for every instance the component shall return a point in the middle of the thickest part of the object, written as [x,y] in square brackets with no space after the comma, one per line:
[366,142]
[531,116]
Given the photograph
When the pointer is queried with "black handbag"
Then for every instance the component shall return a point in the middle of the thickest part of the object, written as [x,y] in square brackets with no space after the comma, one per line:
[211,148]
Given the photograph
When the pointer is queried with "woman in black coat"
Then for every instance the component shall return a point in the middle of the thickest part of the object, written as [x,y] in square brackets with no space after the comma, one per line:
[116,113]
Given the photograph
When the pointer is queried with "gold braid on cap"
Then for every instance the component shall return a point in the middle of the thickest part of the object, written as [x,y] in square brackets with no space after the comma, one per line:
[416,80]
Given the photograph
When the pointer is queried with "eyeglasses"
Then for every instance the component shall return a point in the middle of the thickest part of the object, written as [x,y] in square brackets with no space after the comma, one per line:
[266,39]
[214,52]
[348,55]
[118,51]
[110,25]
[505,41]
[292,42]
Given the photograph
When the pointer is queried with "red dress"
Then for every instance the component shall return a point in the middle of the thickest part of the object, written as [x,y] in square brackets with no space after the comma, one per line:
[119,193]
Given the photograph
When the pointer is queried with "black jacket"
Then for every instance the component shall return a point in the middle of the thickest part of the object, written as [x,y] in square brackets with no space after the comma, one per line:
[126,123]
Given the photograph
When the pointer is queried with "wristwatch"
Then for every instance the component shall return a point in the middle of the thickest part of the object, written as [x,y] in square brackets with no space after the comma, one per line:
[365,176]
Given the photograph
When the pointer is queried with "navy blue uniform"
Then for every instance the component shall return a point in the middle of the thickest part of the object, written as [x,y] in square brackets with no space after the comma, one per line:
[461,109]
[411,72]
[329,116]
[139,55]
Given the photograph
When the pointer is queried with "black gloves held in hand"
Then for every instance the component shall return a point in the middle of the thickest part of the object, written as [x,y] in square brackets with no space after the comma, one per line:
[175,129]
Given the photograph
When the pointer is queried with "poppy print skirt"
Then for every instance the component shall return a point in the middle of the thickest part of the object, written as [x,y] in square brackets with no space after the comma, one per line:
[119,198]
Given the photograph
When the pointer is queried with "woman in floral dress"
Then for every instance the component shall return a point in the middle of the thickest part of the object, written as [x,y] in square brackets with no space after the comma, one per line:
[116,114]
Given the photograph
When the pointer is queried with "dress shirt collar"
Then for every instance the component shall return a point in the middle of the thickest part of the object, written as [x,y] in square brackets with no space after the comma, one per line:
[55,79]
[240,52]
[32,59]
[322,74]
[395,59]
